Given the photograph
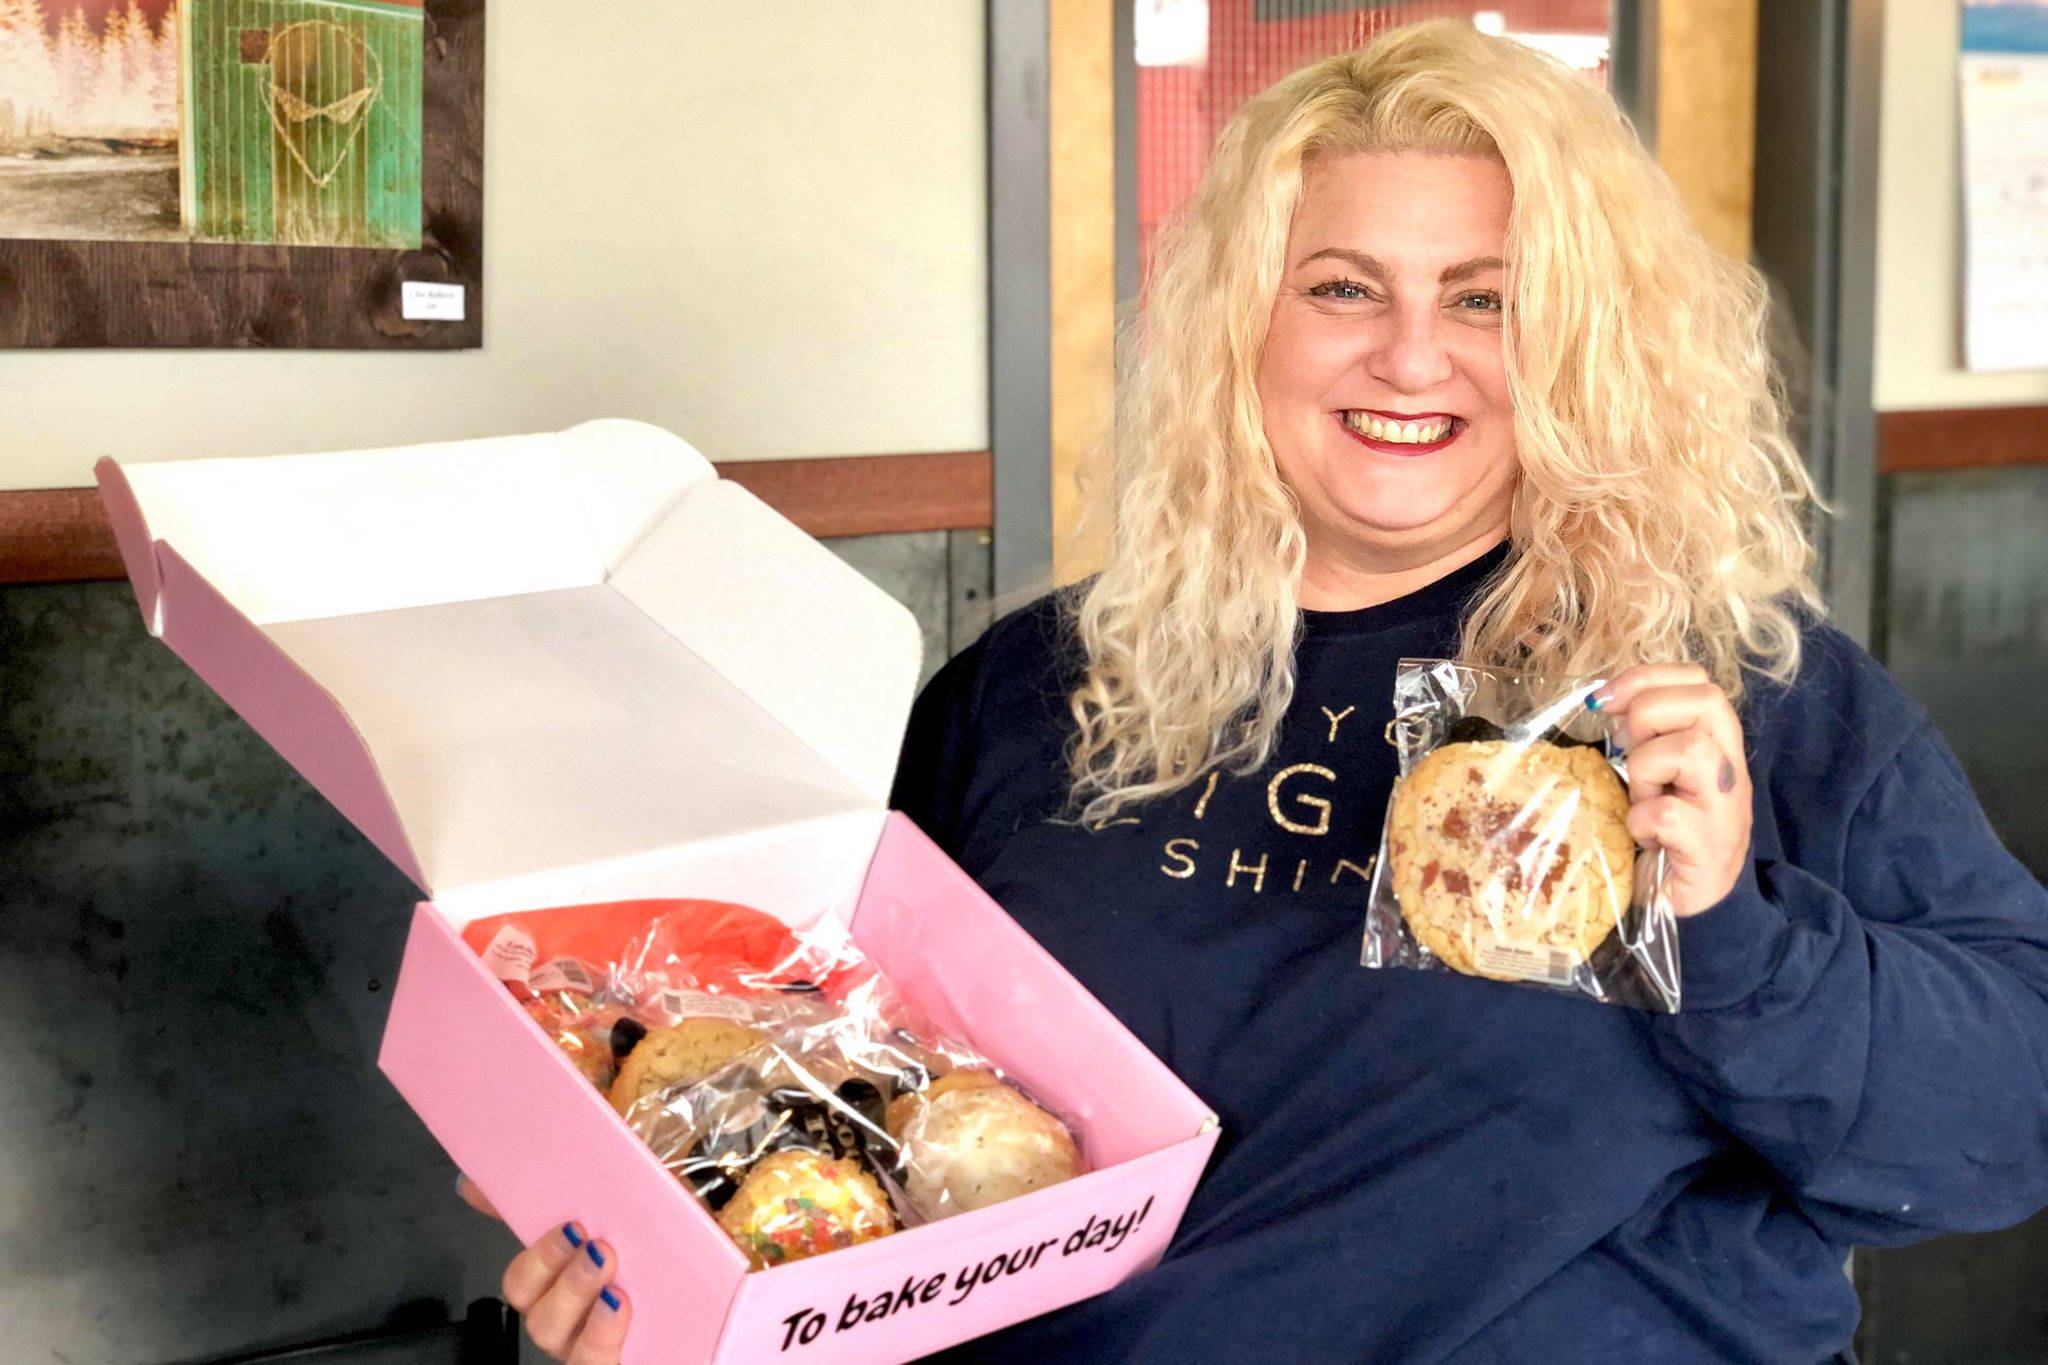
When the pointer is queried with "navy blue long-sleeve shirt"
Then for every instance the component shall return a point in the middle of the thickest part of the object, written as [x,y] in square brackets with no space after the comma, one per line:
[1420,1166]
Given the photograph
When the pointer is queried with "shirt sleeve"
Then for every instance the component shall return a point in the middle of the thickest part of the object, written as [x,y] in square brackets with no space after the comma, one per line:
[937,760]
[1884,1045]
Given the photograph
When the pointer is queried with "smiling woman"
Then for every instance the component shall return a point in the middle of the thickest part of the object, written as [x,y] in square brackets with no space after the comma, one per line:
[1436,366]
[1437,224]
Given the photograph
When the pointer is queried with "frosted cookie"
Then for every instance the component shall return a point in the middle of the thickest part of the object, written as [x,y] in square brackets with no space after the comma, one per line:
[977,1145]
[908,1105]
[1511,861]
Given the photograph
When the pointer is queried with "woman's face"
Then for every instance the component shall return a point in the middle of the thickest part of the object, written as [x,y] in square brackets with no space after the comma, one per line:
[1382,381]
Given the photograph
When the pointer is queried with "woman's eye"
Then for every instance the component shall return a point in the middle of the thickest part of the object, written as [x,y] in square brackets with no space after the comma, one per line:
[1338,289]
[1486,299]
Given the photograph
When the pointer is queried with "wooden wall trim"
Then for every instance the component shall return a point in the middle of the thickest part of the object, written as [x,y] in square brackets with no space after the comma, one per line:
[867,495]
[1961,438]
[56,534]
[60,535]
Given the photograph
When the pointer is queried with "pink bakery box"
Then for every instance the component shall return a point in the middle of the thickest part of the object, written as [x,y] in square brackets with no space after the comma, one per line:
[575,667]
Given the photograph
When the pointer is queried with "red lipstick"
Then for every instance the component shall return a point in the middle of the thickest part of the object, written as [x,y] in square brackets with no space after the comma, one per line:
[1403,448]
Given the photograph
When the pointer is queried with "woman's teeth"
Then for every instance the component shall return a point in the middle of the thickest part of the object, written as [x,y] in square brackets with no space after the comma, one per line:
[1399,433]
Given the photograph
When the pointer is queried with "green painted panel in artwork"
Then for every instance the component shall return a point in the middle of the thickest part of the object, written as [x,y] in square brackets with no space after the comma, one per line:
[304,121]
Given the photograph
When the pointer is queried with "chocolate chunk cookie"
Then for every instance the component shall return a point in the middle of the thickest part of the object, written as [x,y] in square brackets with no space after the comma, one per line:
[1511,861]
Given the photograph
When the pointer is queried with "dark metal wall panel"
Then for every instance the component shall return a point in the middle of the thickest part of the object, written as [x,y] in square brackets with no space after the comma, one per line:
[200,1154]
[970,574]
[1966,626]
[1964,615]
[1974,1300]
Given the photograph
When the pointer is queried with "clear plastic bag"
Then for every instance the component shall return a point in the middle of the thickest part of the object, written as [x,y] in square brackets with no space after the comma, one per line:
[597,978]
[890,1113]
[565,997]
[1505,851]
[783,1079]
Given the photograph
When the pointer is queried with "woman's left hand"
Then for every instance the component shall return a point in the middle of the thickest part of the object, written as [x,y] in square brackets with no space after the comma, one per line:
[1687,778]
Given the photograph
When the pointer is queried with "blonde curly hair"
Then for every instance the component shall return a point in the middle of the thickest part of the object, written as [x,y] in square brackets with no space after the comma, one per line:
[1661,509]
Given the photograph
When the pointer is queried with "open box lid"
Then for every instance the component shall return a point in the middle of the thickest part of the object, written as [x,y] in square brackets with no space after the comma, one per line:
[505,657]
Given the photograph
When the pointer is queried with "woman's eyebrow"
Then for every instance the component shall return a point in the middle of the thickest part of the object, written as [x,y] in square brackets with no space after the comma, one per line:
[1366,265]
[1465,270]
[1357,260]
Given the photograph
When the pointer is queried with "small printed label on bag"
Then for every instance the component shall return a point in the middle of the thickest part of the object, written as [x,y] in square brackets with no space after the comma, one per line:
[510,956]
[699,1005]
[563,974]
[1552,966]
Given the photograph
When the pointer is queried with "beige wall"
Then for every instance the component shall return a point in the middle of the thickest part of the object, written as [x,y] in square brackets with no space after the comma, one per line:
[1919,237]
[760,224]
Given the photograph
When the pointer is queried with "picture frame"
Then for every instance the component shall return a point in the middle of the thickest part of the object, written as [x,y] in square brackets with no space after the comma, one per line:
[258,292]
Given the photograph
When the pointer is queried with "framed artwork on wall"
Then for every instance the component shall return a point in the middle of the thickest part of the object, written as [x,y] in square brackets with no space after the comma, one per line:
[241,173]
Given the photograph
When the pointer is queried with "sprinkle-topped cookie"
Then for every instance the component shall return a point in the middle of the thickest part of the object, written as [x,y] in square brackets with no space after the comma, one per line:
[795,1204]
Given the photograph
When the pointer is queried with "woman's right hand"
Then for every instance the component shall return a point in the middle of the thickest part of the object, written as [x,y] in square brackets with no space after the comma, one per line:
[561,1285]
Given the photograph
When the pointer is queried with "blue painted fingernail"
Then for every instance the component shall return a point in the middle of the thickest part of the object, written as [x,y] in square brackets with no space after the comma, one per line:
[1593,703]
[569,1231]
[595,1255]
[611,1300]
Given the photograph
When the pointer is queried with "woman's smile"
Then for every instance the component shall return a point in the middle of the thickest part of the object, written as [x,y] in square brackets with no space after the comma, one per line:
[1403,435]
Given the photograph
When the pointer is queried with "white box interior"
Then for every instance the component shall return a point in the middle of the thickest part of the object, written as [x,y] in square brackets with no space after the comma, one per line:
[518,735]
[576,659]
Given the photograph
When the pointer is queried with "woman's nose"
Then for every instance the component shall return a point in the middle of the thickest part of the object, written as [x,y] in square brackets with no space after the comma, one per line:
[1409,356]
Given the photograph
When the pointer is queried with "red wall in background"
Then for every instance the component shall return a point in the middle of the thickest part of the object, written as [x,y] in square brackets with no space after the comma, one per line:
[1181,109]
